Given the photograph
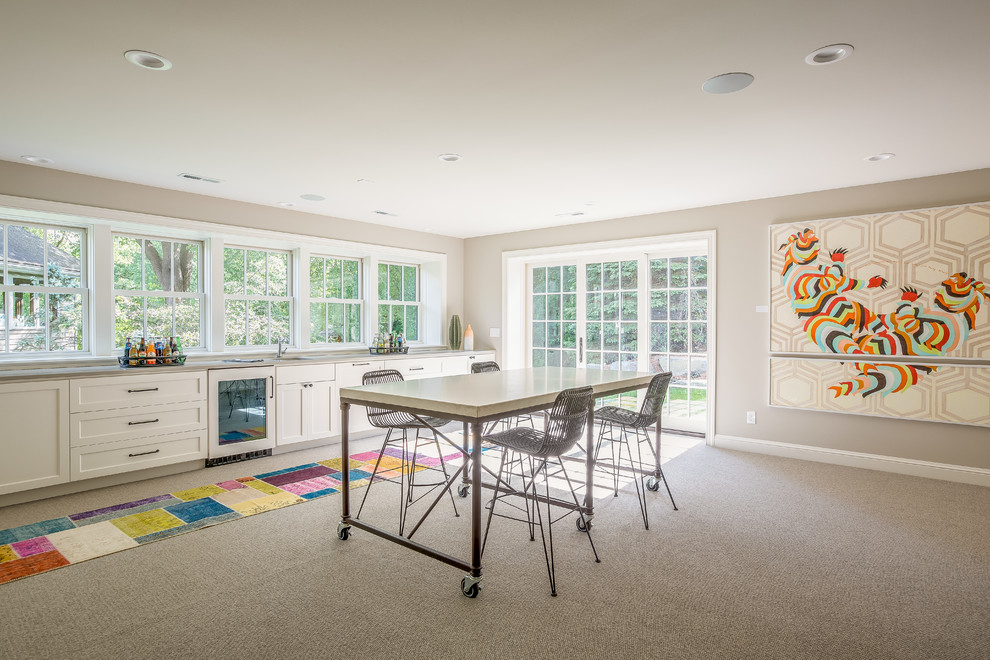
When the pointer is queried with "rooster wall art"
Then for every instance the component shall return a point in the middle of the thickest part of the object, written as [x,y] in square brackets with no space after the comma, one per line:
[923,323]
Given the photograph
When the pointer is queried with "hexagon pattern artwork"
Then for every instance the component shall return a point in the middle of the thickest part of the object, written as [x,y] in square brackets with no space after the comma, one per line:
[883,289]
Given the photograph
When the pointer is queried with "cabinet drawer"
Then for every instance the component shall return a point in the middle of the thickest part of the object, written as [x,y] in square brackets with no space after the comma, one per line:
[304,373]
[349,373]
[416,368]
[92,428]
[86,394]
[127,455]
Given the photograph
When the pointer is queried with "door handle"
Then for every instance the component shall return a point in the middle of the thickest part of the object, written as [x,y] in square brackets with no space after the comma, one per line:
[271,390]
[581,349]
[360,364]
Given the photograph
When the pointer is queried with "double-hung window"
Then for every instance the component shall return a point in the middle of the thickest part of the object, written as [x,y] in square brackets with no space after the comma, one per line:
[158,289]
[257,297]
[335,301]
[43,294]
[399,299]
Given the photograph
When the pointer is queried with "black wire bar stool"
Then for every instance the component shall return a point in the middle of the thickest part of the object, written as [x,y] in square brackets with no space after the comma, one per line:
[635,424]
[394,420]
[531,450]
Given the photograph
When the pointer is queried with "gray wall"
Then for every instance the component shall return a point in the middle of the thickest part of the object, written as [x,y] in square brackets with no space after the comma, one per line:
[742,334]
[52,185]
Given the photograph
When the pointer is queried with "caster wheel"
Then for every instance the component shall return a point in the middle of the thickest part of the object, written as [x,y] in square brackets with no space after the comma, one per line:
[652,484]
[582,525]
[470,590]
[343,531]
[463,490]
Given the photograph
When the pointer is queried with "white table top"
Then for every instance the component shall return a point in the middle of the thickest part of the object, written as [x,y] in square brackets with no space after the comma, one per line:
[479,397]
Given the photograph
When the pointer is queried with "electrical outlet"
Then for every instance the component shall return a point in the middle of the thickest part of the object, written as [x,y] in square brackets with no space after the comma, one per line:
[751,417]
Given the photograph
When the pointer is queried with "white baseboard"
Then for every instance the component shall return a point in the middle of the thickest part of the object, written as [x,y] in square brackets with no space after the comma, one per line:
[946,472]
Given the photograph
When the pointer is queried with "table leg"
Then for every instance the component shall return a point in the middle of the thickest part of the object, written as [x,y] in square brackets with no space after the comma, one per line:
[343,527]
[589,477]
[466,476]
[476,500]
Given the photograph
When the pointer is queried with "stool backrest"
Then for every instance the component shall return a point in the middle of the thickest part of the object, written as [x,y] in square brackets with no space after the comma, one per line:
[567,420]
[484,367]
[381,417]
[656,392]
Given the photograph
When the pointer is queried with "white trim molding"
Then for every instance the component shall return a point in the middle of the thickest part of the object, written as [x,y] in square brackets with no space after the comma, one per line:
[945,472]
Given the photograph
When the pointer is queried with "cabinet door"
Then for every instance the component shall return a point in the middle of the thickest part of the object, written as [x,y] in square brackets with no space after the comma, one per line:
[290,418]
[322,400]
[34,442]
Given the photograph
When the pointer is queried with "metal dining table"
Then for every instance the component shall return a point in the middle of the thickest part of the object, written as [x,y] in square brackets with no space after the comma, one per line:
[474,400]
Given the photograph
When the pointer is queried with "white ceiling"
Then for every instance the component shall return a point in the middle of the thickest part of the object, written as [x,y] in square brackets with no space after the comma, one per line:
[577,106]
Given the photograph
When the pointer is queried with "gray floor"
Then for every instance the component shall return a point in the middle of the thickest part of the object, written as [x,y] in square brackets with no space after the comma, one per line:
[767,558]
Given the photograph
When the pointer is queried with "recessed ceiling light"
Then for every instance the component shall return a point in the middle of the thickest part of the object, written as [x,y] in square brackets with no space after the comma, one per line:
[286,204]
[878,157]
[312,198]
[38,160]
[728,83]
[146,60]
[829,54]
[449,158]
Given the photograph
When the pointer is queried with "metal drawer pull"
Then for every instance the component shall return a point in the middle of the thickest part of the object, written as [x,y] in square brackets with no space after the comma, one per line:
[360,364]
[147,389]
[144,453]
[416,368]
[147,421]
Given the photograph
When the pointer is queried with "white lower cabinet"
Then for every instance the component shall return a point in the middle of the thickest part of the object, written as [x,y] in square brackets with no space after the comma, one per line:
[137,421]
[461,364]
[34,442]
[349,374]
[306,396]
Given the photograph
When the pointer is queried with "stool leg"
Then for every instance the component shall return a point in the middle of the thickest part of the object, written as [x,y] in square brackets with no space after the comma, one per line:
[374,472]
[446,475]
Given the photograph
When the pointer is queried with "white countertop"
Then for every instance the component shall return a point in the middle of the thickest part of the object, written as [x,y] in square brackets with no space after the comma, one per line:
[51,369]
[476,397]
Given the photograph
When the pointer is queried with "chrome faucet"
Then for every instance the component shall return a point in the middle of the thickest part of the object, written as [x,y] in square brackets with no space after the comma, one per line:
[281,351]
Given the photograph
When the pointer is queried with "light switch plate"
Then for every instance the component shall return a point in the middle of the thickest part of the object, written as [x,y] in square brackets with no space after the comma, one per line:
[494,332]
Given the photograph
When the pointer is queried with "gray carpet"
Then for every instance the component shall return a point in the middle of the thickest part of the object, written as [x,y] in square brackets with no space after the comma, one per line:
[767,558]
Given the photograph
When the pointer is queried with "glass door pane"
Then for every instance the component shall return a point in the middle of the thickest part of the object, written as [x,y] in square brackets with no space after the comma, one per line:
[553,316]
[242,410]
[679,336]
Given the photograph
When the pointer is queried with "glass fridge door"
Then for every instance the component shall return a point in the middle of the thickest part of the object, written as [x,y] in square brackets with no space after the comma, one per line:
[242,410]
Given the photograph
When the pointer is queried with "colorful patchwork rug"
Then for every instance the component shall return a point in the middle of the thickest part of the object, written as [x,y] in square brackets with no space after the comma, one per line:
[40,547]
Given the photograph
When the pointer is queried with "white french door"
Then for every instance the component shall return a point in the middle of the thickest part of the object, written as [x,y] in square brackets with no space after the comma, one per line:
[630,312]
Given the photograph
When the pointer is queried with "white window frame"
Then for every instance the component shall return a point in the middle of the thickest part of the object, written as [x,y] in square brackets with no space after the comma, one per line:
[10,289]
[418,303]
[99,225]
[311,299]
[291,275]
[146,293]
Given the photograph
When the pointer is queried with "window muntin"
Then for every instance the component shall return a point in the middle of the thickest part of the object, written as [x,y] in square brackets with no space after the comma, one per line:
[335,300]
[257,297]
[399,299]
[43,294]
[158,289]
